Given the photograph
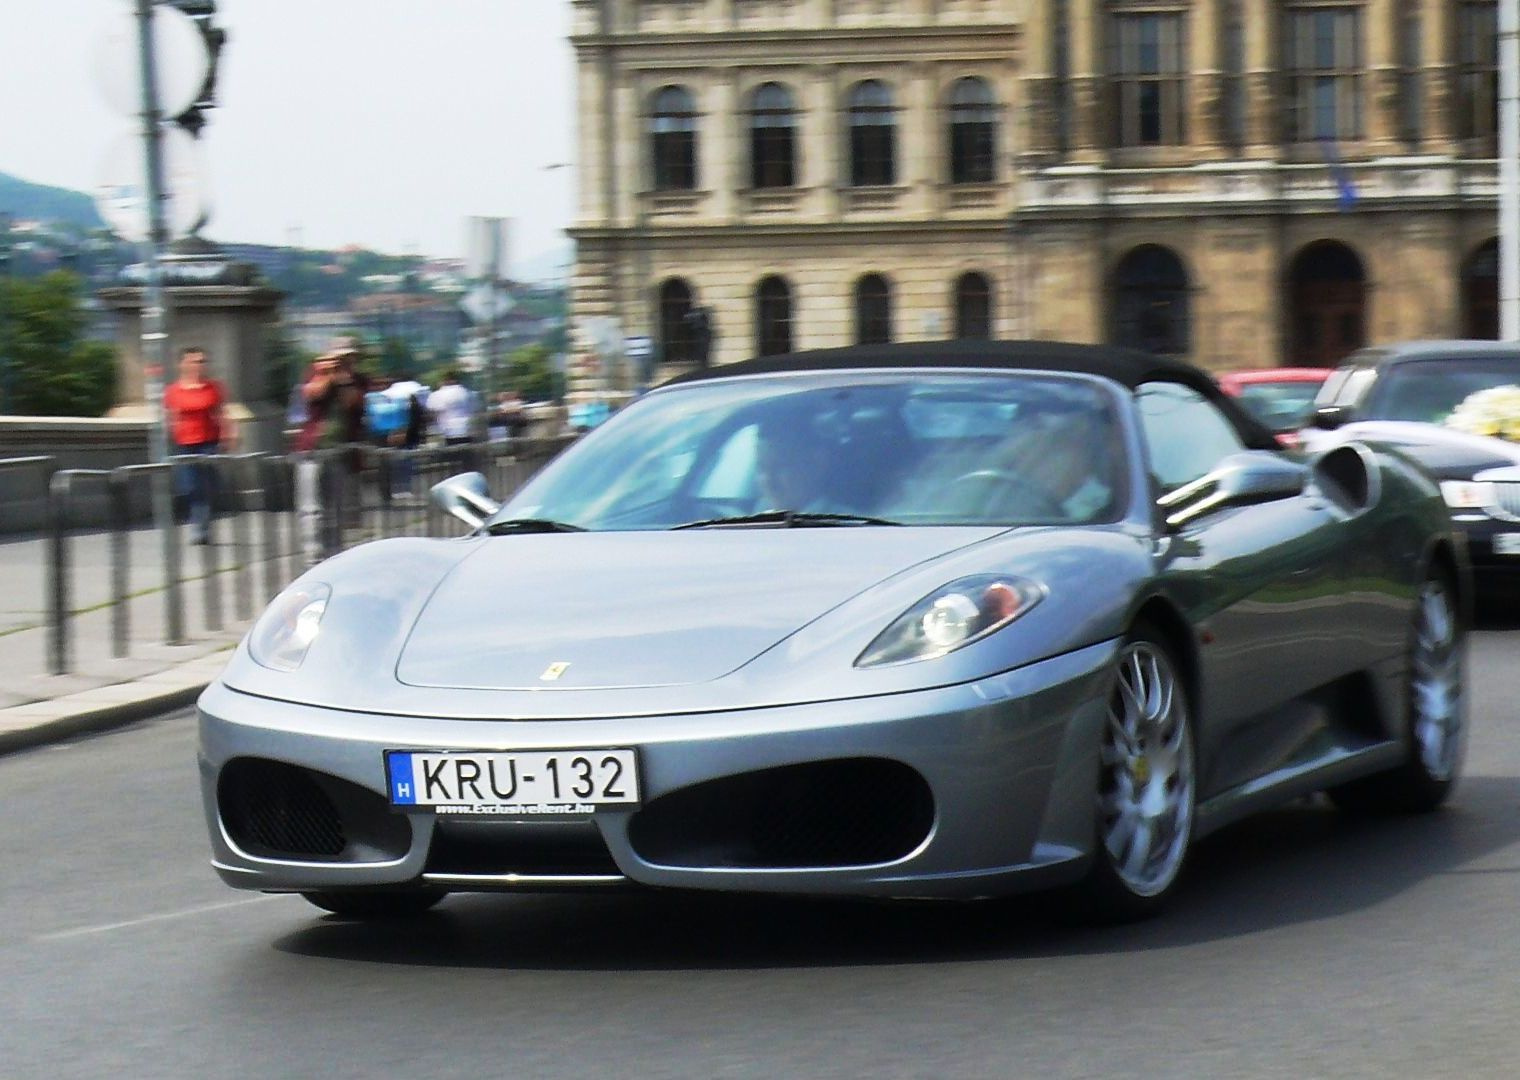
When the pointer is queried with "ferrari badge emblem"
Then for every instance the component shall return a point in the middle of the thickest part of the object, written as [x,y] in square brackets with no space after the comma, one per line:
[554,671]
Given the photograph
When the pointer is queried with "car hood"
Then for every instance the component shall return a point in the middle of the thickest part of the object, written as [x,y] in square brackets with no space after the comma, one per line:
[1447,453]
[604,610]
[622,624]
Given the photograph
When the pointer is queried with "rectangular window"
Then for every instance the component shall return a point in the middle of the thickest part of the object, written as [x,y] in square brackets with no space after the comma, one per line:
[1232,82]
[1411,81]
[1148,65]
[1478,69]
[1322,59]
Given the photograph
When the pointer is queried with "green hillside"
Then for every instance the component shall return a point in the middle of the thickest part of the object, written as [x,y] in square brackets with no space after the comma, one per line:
[39,202]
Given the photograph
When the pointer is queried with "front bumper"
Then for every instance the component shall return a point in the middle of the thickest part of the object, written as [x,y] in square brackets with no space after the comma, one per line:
[1489,564]
[1010,763]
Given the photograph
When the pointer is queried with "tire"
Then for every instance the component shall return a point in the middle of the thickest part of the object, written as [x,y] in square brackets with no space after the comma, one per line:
[1147,786]
[376,903]
[1435,728]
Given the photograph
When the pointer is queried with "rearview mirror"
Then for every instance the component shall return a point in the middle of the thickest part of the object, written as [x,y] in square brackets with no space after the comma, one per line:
[1328,417]
[467,497]
[1251,477]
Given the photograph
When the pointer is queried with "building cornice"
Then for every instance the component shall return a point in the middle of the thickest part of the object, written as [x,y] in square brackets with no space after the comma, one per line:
[758,40]
[801,230]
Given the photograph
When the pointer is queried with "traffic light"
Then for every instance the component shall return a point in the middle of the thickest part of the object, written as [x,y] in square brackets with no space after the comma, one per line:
[204,14]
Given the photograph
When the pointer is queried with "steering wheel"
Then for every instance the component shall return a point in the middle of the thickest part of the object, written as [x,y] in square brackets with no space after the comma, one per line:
[1004,492]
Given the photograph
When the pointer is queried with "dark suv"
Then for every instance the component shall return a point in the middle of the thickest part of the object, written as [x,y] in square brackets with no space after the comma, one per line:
[1401,395]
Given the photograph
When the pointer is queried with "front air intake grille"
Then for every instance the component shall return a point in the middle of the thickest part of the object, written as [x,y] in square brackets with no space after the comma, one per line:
[544,848]
[270,807]
[849,812]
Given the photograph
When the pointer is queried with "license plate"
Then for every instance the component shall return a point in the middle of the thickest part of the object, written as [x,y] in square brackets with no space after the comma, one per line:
[513,782]
[1507,543]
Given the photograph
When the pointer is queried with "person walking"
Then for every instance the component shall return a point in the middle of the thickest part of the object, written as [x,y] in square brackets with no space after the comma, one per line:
[194,410]
[453,409]
[334,393]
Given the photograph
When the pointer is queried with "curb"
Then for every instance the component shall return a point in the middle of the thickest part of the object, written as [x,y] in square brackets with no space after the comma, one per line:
[41,723]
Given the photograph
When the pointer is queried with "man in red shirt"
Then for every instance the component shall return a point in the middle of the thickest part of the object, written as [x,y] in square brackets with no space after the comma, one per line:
[194,412]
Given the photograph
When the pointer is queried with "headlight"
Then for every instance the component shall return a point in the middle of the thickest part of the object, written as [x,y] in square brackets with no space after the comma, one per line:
[288,627]
[1467,494]
[956,615]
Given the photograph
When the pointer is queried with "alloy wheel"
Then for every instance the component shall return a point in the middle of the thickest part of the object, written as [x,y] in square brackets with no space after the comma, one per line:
[1435,682]
[1145,797]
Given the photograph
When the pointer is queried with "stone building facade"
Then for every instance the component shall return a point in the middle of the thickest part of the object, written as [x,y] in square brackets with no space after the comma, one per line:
[1239,182]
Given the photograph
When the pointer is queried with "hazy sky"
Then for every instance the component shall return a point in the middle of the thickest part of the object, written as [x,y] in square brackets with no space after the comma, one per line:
[375,122]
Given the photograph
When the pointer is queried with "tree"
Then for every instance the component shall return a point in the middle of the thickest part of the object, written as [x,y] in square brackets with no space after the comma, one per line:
[530,371]
[49,367]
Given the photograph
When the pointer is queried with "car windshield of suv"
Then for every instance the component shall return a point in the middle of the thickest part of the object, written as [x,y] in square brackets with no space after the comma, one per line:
[807,450]
[1281,406]
[1428,390]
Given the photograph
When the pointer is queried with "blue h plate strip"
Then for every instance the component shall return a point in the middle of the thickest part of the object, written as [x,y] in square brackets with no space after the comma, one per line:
[403,790]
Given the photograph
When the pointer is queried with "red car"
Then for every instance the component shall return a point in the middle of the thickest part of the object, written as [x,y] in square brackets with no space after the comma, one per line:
[1281,398]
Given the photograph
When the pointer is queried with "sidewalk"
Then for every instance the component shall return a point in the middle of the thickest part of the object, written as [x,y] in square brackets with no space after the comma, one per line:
[101,690]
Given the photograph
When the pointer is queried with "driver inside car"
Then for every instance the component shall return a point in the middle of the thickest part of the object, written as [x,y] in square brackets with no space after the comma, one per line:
[792,462]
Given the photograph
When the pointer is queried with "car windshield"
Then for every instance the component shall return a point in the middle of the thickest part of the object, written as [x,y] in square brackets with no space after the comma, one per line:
[1428,390]
[1281,406]
[843,449]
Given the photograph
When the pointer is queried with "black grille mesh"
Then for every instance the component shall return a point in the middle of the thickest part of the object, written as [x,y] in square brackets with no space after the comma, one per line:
[849,812]
[270,807]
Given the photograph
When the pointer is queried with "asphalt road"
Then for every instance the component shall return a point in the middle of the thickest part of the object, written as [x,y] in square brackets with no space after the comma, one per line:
[1304,944]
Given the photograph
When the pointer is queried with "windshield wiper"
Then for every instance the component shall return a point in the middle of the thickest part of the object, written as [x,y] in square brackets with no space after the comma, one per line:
[792,519]
[530,525]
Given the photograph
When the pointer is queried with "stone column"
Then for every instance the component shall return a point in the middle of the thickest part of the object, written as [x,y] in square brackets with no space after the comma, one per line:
[1085,35]
[724,152]
[1263,83]
[918,149]
[1205,45]
[819,141]
[1381,88]
[592,146]
[1038,117]
[628,164]
[1438,53]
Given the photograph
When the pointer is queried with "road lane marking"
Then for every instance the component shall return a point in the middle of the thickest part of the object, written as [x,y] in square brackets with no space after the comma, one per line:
[83,931]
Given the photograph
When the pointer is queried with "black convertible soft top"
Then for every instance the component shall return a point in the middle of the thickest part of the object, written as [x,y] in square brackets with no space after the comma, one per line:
[1128,367]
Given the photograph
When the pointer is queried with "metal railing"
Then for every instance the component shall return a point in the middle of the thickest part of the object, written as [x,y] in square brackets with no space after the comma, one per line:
[280,513]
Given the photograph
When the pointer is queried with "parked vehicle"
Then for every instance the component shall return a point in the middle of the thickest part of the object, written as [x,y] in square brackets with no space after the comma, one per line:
[953,619]
[1401,395]
[1279,398]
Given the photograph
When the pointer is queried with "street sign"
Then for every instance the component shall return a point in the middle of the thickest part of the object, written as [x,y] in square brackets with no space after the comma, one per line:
[638,348]
[121,197]
[182,62]
[483,304]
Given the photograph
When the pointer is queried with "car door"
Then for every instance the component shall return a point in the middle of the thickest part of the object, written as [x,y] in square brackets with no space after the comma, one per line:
[1257,581]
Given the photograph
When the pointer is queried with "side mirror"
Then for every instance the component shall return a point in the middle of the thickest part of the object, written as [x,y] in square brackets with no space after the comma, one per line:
[1328,417]
[1251,477]
[466,497]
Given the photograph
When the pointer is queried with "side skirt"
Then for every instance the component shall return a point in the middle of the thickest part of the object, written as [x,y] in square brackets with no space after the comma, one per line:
[1337,766]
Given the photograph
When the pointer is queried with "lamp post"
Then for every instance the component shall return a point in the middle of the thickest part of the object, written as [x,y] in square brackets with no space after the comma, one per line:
[5,351]
[1509,170]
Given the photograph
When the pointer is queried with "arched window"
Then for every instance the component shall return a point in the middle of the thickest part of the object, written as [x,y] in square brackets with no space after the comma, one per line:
[873,310]
[773,316]
[873,129]
[1327,296]
[1151,302]
[772,137]
[673,138]
[973,132]
[973,307]
[676,338]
